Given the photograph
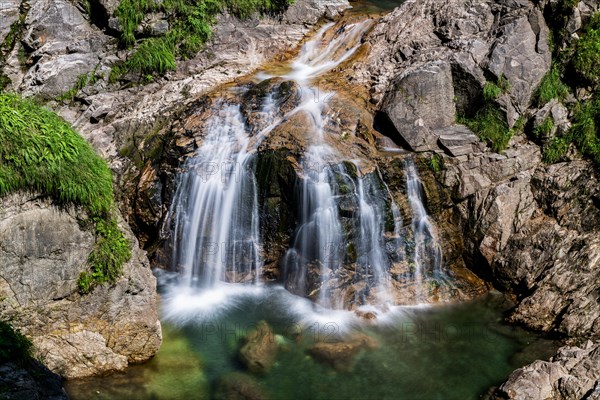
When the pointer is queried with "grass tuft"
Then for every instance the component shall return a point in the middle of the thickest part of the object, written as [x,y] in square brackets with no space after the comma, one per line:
[490,125]
[552,87]
[190,23]
[40,152]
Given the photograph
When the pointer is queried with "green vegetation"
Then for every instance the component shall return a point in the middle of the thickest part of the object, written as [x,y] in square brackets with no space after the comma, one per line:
[490,125]
[40,152]
[489,122]
[190,26]
[545,128]
[493,90]
[111,252]
[436,163]
[587,52]
[14,346]
[552,87]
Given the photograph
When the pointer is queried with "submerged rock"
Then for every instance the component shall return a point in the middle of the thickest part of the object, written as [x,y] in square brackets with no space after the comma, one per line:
[259,349]
[341,353]
[239,386]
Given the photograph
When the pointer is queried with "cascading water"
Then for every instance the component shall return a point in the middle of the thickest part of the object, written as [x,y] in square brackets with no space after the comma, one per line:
[427,249]
[349,232]
[216,210]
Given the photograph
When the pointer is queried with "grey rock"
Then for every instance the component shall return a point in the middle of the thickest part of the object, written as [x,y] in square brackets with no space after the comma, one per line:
[422,100]
[522,56]
[559,115]
[108,7]
[457,140]
[9,14]
[31,381]
[573,373]
[42,252]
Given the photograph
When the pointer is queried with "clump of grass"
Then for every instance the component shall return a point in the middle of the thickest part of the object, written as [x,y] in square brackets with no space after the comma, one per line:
[545,128]
[14,347]
[190,26]
[491,91]
[555,150]
[490,125]
[40,152]
[587,52]
[112,251]
[552,87]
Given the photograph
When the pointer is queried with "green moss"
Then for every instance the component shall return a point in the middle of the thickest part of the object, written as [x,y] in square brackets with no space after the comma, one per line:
[14,346]
[552,87]
[190,23]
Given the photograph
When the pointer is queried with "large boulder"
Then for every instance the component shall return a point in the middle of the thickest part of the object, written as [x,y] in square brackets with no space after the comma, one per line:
[421,101]
[43,250]
[522,56]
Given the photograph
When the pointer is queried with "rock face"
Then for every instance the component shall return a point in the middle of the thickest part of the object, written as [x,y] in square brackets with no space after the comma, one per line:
[573,373]
[43,250]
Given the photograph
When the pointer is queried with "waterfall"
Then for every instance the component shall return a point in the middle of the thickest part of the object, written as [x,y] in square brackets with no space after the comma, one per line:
[427,249]
[349,232]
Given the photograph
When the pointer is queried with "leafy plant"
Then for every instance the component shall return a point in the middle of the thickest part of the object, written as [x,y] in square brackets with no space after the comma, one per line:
[587,54]
[436,163]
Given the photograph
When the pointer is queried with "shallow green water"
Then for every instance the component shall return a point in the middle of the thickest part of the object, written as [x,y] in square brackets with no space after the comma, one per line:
[449,352]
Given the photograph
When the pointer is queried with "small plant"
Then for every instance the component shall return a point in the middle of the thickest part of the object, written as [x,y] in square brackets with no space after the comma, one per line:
[555,150]
[545,128]
[436,163]
[552,87]
[587,55]
[107,259]
[491,91]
